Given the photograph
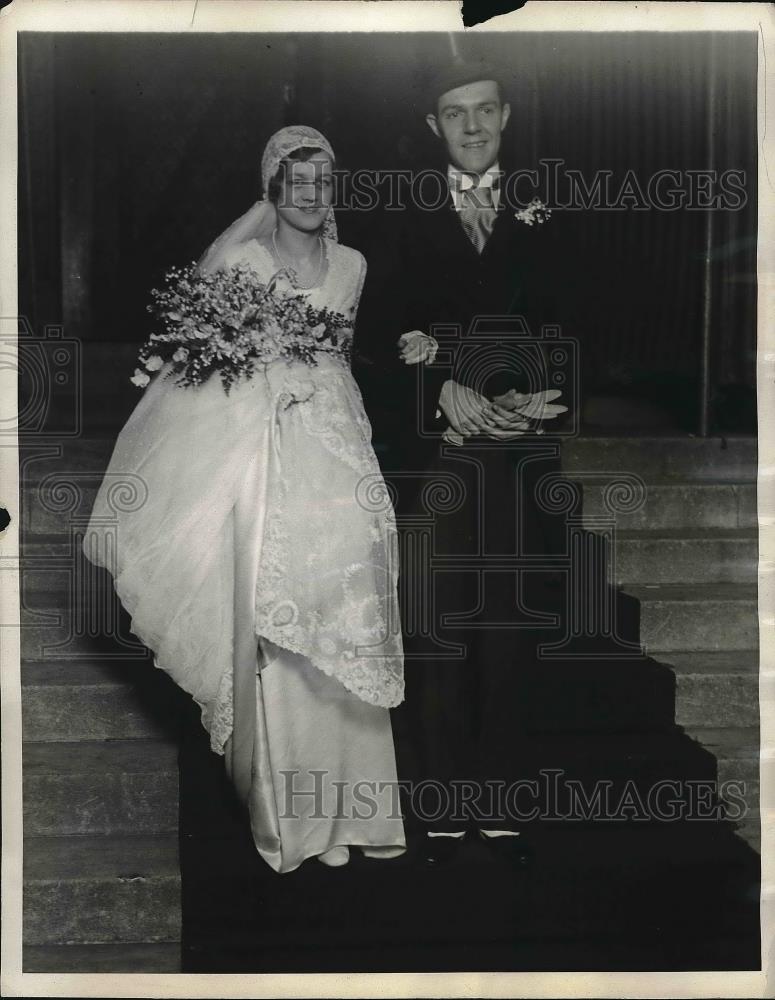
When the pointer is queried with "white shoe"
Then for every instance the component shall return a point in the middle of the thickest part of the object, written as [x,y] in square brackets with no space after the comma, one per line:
[335,857]
[384,853]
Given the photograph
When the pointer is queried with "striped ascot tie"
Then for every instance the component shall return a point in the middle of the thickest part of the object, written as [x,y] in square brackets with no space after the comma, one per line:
[478,215]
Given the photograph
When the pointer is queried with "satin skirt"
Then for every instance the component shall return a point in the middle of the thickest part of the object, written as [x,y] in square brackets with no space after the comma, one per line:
[323,765]
[239,522]
[223,517]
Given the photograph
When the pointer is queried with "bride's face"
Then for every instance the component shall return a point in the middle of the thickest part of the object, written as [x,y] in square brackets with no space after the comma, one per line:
[307,193]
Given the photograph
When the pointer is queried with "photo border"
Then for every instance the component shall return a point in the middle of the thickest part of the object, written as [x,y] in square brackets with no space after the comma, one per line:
[247,16]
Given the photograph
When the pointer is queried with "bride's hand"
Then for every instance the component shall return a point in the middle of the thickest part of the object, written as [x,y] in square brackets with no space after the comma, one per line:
[415,347]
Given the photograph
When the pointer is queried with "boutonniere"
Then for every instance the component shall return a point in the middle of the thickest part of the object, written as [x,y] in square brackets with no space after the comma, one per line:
[536,213]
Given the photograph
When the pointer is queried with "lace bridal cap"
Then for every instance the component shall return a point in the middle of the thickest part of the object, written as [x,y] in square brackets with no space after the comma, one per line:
[261,219]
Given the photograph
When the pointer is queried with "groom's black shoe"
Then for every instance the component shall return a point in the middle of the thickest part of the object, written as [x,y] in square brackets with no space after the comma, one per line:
[514,851]
[440,851]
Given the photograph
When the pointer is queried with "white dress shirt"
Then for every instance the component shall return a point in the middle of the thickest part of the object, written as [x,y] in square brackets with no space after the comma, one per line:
[460,181]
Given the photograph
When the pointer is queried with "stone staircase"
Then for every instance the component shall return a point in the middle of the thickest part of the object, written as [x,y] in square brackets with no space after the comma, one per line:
[100,768]
[102,875]
[689,554]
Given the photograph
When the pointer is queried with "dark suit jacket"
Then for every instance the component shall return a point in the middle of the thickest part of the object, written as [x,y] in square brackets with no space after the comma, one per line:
[424,273]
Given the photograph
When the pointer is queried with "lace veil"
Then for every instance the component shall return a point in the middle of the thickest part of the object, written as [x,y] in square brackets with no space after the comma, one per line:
[260,220]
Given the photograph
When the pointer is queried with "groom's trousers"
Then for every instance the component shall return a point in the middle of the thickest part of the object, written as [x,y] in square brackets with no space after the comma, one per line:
[473,588]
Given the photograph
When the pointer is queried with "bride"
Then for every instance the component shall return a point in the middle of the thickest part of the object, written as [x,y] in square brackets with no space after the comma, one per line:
[260,567]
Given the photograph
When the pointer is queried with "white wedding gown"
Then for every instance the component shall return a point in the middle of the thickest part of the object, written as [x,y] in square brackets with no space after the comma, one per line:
[257,558]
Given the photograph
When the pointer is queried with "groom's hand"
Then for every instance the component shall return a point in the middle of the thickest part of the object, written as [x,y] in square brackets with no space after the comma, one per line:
[504,427]
[464,408]
[528,405]
[511,414]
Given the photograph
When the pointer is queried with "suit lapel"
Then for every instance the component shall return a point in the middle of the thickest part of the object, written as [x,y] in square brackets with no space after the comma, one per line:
[502,232]
[445,231]
[447,238]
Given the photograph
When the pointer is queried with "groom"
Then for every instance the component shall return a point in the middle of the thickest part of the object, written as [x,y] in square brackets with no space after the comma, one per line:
[454,386]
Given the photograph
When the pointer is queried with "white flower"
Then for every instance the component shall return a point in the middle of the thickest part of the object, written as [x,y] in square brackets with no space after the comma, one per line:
[271,330]
[229,323]
[140,379]
[535,213]
[295,390]
[418,348]
[326,645]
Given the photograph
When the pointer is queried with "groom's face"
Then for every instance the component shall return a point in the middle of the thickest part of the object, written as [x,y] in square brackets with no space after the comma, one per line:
[470,120]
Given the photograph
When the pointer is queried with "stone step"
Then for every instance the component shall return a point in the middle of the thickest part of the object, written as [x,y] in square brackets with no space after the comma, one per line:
[101,890]
[572,771]
[612,755]
[59,483]
[57,502]
[658,555]
[591,693]
[736,750]
[68,633]
[657,883]
[87,958]
[77,456]
[715,690]
[113,700]
[89,788]
[680,505]
[666,506]
[658,458]
[69,610]
[56,578]
[684,555]
[719,616]
[666,458]
[749,830]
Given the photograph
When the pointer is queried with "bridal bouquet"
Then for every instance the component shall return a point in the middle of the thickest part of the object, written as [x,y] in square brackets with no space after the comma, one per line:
[229,323]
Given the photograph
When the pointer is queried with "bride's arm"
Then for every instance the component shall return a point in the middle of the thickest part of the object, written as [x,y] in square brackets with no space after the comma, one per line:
[428,377]
[359,285]
[377,320]
[392,305]
[259,221]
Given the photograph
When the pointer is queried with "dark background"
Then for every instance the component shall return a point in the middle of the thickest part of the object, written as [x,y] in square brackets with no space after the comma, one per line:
[137,150]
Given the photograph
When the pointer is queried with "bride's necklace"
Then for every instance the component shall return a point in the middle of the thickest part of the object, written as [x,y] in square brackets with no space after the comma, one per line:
[291,271]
